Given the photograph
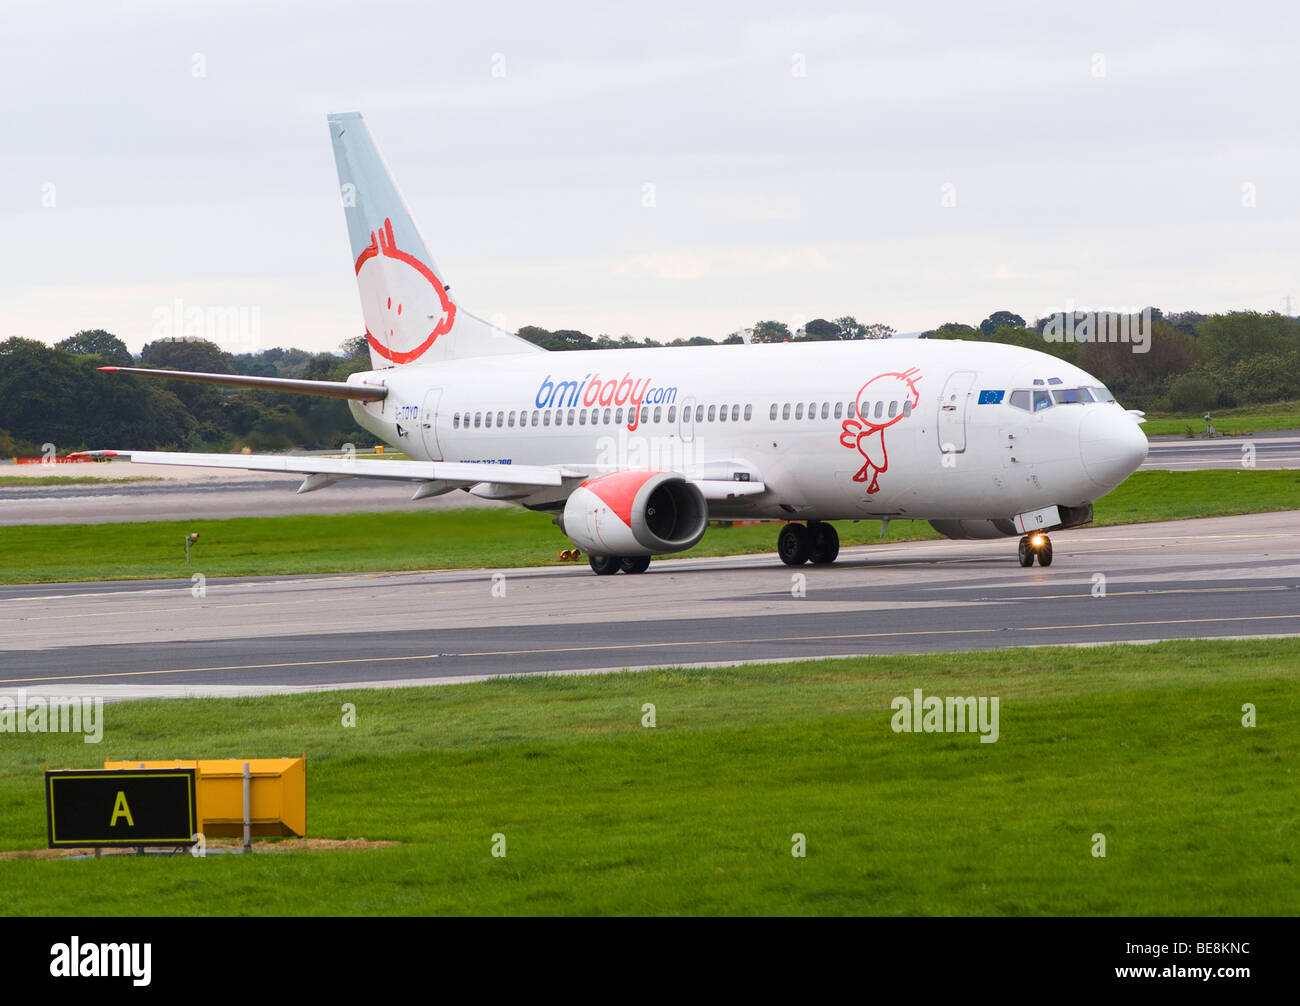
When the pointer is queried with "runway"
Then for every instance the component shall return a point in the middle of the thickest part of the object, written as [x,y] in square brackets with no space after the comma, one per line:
[1260,450]
[1218,577]
[217,496]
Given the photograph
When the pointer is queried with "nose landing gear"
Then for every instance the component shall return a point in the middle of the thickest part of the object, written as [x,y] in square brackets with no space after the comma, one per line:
[1033,546]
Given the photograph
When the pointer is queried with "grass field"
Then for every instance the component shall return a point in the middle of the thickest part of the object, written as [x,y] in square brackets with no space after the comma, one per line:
[473,539]
[1142,744]
[70,480]
[1228,422]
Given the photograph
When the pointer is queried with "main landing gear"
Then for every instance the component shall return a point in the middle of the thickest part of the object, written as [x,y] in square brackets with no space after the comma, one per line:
[1038,545]
[818,543]
[607,565]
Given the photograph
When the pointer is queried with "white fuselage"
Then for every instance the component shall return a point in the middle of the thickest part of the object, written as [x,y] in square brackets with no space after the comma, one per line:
[907,428]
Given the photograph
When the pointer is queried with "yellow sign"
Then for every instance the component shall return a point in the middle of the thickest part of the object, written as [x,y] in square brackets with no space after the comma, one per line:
[277,794]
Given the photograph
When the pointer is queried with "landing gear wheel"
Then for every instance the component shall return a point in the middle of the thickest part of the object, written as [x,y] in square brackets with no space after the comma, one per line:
[634,563]
[1045,552]
[604,565]
[792,545]
[1025,553]
[824,545]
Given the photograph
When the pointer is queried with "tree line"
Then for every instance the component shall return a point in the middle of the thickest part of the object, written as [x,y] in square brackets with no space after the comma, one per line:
[1195,362]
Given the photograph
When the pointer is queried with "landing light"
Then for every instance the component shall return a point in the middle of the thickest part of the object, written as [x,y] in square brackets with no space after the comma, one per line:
[1036,540]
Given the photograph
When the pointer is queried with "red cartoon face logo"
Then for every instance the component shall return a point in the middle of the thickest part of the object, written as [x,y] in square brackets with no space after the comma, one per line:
[405,305]
[867,433]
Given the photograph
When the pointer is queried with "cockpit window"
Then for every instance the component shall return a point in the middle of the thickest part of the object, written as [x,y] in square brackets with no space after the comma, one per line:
[1085,395]
[1054,380]
[1103,395]
[1020,399]
[1042,400]
[1067,396]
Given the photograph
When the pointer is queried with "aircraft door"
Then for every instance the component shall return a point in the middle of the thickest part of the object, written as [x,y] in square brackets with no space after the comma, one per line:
[429,424]
[953,405]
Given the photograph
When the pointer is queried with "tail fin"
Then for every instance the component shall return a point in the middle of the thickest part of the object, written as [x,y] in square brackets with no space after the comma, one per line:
[410,314]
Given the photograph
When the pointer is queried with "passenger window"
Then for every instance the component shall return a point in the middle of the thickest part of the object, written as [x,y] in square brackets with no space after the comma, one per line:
[880,410]
[839,409]
[772,415]
[478,420]
[572,413]
[907,408]
[455,421]
[1042,400]
[812,410]
[1020,399]
[798,411]
[851,410]
[546,417]
[582,417]
[722,414]
[826,410]
[645,414]
[735,413]
[534,418]
[713,411]
[488,422]
[785,411]
[893,409]
[749,412]
[672,413]
[659,412]
[501,419]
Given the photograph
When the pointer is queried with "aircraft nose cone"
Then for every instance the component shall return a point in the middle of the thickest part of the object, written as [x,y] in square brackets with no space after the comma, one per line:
[1111,446]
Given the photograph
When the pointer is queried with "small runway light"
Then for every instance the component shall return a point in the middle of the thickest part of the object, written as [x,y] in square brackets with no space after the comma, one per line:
[190,539]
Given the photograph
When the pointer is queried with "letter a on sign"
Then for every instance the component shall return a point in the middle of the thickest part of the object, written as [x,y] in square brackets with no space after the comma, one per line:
[121,809]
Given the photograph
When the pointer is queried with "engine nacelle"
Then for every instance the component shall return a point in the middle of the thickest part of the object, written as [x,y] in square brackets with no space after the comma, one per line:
[635,513]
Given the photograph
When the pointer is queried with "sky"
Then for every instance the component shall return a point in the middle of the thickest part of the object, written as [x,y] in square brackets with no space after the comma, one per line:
[663,171]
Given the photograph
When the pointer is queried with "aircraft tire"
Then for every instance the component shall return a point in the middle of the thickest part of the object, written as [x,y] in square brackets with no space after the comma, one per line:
[604,565]
[792,544]
[824,544]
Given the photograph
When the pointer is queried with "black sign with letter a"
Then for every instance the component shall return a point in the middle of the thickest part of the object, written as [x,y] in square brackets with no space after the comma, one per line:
[121,807]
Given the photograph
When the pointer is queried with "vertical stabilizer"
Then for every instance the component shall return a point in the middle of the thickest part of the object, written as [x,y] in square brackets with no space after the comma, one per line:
[410,314]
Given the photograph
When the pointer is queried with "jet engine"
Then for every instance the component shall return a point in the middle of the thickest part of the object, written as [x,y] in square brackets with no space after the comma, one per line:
[635,513]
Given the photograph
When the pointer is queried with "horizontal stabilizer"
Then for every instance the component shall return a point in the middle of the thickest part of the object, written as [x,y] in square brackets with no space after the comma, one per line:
[329,389]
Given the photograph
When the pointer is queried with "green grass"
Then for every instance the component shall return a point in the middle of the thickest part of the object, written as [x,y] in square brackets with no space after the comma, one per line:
[1228,422]
[475,539]
[1143,744]
[71,480]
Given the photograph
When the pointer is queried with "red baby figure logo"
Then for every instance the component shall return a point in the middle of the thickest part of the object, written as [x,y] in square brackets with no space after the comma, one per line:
[867,433]
[405,305]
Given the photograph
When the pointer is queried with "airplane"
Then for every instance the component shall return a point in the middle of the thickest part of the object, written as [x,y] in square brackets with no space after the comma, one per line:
[634,451]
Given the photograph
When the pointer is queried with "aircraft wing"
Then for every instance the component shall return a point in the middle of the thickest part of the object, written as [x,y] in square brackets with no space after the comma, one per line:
[321,472]
[491,481]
